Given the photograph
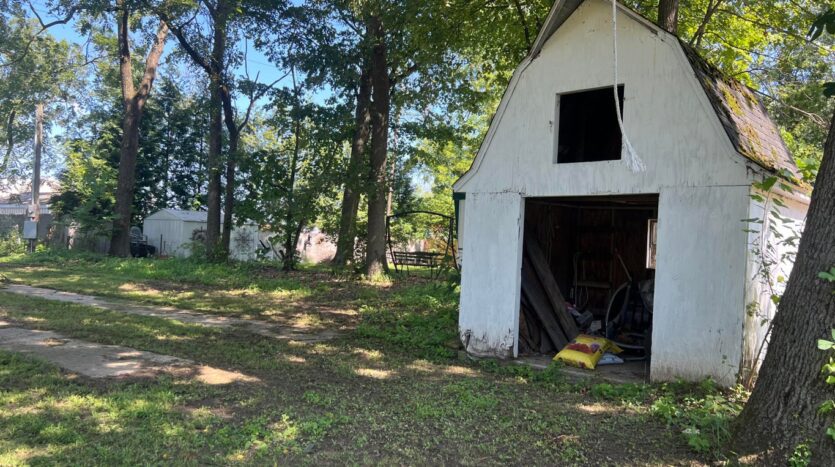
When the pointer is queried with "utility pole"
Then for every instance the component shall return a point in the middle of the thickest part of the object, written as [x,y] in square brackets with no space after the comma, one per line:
[35,214]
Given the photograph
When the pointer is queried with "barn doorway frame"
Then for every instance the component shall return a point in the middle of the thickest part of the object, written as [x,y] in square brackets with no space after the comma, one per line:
[643,209]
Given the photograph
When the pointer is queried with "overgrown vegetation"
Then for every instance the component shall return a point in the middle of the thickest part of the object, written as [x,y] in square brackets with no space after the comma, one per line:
[702,413]
[11,242]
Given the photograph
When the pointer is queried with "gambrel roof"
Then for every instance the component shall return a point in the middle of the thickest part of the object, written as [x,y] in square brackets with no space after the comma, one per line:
[751,131]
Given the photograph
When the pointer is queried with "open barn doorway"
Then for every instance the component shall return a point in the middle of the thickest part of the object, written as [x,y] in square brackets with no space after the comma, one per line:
[589,268]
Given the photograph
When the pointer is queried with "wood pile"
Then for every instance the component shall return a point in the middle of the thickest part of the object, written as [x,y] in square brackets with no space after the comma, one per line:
[545,325]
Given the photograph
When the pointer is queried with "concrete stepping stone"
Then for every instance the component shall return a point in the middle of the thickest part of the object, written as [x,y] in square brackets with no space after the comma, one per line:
[262,328]
[108,361]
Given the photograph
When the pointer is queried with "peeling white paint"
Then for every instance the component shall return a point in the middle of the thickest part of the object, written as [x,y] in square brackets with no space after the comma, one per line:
[490,277]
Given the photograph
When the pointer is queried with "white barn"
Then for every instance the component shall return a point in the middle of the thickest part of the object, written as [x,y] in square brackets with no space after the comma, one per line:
[552,165]
[172,231]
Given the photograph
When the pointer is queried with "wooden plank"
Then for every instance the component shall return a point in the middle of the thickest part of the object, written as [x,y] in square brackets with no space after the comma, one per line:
[545,344]
[525,345]
[539,302]
[549,284]
[532,326]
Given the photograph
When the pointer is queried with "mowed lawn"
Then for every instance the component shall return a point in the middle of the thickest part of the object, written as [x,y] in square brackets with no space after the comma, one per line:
[392,389]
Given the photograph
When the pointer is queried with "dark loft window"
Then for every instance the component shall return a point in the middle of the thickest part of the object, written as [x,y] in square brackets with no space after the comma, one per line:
[588,127]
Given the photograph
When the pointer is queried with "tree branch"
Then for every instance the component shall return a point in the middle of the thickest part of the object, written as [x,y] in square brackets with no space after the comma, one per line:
[696,40]
[198,59]
[816,119]
[10,142]
[151,65]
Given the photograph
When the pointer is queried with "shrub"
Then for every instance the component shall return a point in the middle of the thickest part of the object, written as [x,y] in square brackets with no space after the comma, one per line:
[11,242]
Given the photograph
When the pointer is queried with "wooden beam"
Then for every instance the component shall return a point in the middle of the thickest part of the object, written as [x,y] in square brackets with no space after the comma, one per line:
[541,306]
[549,284]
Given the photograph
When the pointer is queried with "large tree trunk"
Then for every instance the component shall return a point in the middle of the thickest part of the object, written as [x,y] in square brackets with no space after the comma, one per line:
[291,231]
[134,103]
[229,192]
[668,15]
[214,163]
[783,409]
[375,258]
[353,176]
[216,130]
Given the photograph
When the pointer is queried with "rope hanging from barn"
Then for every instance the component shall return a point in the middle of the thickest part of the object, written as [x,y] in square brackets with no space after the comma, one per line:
[634,162]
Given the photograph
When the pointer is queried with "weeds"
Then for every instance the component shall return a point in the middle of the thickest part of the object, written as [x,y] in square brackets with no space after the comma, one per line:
[703,412]
[420,320]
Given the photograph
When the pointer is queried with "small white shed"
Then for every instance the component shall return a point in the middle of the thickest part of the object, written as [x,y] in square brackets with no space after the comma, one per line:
[173,231]
[551,166]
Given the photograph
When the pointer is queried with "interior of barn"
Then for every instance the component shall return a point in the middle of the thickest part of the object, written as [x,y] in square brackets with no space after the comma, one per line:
[589,270]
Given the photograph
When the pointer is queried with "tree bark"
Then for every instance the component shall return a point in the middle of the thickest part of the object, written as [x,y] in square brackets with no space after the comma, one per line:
[291,234]
[134,103]
[353,189]
[782,411]
[375,259]
[668,15]
[216,131]
[229,190]
[9,141]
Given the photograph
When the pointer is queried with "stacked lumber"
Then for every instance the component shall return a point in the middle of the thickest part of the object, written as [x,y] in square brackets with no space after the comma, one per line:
[545,325]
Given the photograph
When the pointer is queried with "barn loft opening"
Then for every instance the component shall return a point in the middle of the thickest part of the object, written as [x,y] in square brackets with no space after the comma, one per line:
[588,126]
[596,255]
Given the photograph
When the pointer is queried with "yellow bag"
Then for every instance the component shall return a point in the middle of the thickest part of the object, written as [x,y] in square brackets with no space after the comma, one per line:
[585,351]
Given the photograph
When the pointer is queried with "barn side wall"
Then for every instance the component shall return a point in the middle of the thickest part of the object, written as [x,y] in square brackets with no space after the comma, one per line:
[771,249]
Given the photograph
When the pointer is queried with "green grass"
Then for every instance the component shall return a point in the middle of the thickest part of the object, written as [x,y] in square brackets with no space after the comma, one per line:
[391,390]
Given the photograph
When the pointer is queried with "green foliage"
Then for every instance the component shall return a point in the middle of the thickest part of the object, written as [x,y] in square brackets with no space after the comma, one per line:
[801,456]
[629,393]
[421,320]
[828,371]
[291,167]
[34,69]
[171,155]
[703,414]
[11,242]
[824,23]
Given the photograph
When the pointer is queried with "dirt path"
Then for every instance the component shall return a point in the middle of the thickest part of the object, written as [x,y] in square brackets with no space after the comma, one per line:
[262,328]
[108,361]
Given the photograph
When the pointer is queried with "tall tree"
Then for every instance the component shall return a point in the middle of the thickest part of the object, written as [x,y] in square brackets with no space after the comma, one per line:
[375,256]
[784,408]
[133,99]
[353,180]
[234,128]
[213,63]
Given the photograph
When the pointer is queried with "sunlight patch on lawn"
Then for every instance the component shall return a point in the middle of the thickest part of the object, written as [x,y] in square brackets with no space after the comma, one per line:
[294,359]
[597,409]
[374,373]
[372,355]
[424,366]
